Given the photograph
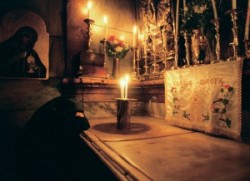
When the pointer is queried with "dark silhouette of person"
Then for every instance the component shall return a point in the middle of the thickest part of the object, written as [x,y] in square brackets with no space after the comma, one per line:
[50,147]
[18,57]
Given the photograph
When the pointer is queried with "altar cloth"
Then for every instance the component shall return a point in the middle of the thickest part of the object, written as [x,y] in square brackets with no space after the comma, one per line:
[205,98]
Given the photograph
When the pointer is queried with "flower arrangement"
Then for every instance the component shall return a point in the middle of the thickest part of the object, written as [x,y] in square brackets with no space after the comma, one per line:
[219,106]
[116,48]
[197,15]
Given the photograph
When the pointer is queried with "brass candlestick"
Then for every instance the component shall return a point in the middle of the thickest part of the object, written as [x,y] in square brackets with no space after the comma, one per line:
[146,66]
[134,49]
[187,48]
[89,22]
[235,43]
[217,37]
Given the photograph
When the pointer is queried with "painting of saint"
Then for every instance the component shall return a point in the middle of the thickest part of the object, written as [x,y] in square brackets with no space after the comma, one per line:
[18,58]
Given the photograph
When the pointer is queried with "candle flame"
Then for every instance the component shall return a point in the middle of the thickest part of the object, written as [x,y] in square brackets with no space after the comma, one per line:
[134,29]
[105,19]
[89,5]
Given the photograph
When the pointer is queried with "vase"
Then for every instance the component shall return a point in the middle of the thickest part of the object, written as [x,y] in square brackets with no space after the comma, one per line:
[116,68]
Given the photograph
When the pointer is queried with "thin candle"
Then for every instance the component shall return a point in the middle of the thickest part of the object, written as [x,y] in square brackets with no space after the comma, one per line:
[185,6]
[105,20]
[234,4]
[89,9]
[126,86]
[134,35]
[122,86]
[214,10]
[177,32]
[247,22]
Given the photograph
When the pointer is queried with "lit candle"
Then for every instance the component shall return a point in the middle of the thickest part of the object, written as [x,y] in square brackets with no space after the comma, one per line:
[145,48]
[89,9]
[134,35]
[247,22]
[126,86]
[122,85]
[234,4]
[105,20]
[214,10]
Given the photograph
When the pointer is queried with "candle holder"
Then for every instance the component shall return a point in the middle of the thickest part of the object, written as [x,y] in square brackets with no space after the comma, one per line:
[89,22]
[155,65]
[247,48]
[176,57]
[138,68]
[217,38]
[103,42]
[134,73]
[233,13]
[187,49]
[146,65]
[165,59]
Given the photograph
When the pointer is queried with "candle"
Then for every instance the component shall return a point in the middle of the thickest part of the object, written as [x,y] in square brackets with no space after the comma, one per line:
[145,48]
[134,35]
[214,10]
[89,9]
[234,4]
[177,32]
[126,86]
[247,22]
[105,20]
[184,6]
[177,18]
[122,85]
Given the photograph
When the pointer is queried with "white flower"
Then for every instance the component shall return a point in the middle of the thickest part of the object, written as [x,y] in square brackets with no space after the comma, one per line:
[200,9]
[118,49]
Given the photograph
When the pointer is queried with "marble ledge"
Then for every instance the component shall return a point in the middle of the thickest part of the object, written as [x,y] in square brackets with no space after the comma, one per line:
[92,81]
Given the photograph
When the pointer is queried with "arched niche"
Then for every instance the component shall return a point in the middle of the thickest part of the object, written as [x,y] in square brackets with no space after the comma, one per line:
[15,19]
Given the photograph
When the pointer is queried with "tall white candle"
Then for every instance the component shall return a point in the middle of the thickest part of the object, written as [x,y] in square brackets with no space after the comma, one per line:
[105,20]
[122,86]
[126,86]
[185,6]
[234,6]
[177,31]
[134,35]
[177,18]
[89,9]
[214,10]
[247,22]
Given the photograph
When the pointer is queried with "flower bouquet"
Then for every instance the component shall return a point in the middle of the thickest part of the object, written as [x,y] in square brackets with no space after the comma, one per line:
[116,48]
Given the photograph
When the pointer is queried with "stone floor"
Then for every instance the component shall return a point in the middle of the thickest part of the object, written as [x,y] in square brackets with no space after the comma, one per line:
[153,150]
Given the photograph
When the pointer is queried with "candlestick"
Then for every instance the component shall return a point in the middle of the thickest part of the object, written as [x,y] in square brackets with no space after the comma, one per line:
[214,9]
[187,47]
[217,37]
[247,22]
[234,4]
[134,62]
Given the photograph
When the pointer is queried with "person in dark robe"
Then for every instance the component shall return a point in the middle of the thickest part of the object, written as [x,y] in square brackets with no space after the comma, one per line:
[18,57]
[50,146]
